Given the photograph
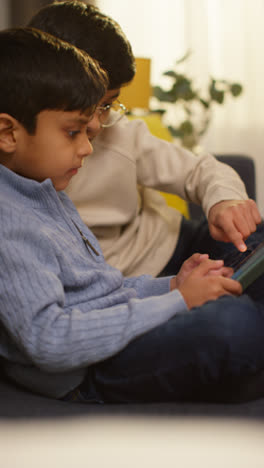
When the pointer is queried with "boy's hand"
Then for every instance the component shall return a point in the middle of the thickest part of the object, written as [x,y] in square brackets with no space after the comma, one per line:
[205,284]
[234,221]
[192,262]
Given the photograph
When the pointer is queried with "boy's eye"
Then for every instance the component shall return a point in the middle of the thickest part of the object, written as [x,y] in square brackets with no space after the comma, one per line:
[73,133]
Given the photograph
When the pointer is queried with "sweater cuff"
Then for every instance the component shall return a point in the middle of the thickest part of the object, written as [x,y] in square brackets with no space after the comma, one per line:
[155,286]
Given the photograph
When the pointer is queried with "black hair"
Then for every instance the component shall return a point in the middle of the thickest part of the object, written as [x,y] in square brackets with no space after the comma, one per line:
[89,29]
[39,72]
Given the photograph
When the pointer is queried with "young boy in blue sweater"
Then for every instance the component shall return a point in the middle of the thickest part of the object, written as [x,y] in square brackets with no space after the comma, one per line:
[71,325]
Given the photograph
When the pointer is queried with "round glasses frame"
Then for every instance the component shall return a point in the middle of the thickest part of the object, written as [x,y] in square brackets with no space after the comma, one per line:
[108,119]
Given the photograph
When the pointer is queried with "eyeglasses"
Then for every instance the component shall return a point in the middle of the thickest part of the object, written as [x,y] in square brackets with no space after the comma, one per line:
[110,114]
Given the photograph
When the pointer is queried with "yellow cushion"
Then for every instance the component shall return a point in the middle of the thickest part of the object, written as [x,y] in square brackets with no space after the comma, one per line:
[178,203]
[137,93]
[156,127]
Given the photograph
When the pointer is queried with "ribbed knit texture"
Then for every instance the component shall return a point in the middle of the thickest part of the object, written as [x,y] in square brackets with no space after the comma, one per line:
[62,308]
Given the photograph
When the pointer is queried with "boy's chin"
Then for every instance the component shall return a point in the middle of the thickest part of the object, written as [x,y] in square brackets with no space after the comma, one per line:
[59,186]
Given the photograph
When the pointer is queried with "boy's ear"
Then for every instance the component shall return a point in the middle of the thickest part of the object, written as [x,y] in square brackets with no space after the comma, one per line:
[8,128]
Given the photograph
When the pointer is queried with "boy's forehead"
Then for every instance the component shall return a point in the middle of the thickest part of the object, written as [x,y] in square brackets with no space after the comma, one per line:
[69,116]
[80,118]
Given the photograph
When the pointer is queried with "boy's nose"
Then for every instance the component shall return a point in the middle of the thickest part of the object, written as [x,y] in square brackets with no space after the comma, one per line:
[86,149]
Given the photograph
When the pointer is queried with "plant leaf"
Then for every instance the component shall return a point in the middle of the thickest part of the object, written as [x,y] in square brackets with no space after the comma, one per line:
[171,73]
[205,103]
[236,89]
[186,127]
[185,56]
[175,132]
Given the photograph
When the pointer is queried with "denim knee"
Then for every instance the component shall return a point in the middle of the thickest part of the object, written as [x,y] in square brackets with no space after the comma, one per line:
[237,323]
[188,357]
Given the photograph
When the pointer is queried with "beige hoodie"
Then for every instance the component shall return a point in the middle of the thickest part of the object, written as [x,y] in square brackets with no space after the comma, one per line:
[114,194]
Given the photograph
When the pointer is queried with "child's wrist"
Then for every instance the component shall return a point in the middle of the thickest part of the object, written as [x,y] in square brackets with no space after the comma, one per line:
[174,283]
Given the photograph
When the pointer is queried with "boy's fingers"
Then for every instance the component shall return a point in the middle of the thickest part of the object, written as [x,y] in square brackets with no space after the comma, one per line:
[193,261]
[197,258]
[235,236]
[232,286]
[207,265]
[234,221]
[228,232]
[224,271]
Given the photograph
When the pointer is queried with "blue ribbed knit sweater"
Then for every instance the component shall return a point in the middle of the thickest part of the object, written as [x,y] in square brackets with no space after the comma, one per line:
[62,308]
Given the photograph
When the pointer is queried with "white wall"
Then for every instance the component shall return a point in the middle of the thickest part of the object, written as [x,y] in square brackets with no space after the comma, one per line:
[150,36]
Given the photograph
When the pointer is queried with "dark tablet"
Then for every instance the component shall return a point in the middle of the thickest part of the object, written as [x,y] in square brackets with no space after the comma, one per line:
[250,268]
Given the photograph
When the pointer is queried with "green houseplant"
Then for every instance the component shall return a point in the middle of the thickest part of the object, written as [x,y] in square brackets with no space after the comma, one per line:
[187,108]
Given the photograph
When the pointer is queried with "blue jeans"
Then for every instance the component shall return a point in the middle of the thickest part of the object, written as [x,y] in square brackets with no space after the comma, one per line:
[203,355]
[206,354]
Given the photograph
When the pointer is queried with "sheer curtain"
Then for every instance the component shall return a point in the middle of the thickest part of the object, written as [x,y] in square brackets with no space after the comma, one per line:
[226,38]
